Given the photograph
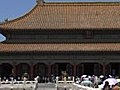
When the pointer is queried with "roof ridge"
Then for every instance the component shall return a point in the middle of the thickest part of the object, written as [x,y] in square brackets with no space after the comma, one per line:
[82,3]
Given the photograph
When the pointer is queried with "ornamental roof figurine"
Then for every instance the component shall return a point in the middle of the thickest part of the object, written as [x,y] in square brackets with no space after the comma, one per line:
[40,2]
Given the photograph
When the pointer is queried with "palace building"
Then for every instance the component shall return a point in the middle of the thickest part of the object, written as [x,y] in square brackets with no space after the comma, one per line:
[76,37]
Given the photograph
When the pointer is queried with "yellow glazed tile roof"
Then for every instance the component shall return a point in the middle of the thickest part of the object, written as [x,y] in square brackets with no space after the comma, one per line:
[68,16]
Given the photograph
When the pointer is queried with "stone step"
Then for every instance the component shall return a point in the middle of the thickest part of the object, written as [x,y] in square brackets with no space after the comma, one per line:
[46,86]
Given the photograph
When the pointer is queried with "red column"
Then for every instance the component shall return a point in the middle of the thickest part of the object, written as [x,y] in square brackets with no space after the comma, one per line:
[108,68]
[31,71]
[82,65]
[74,69]
[104,69]
[14,70]
[49,70]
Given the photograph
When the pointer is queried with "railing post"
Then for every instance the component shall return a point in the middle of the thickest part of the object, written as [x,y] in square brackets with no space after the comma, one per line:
[73,79]
[0,81]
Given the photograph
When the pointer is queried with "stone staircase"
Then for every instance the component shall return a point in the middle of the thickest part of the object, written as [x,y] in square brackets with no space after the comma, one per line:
[46,86]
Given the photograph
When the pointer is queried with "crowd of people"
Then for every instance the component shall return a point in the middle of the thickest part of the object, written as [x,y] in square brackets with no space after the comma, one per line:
[85,80]
[107,82]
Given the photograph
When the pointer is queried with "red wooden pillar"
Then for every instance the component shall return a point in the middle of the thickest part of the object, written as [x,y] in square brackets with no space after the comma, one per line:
[82,65]
[31,71]
[14,69]
[104,69]
[75,70]
[108,68]
[49,70]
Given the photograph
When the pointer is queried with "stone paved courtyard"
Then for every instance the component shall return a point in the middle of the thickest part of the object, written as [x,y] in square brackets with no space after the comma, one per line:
[51,86]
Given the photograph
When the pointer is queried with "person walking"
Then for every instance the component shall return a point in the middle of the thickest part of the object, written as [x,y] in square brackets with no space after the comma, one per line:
[106,86]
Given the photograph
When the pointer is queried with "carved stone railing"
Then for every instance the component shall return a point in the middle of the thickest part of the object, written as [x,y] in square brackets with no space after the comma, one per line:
[18,85]
[65,83]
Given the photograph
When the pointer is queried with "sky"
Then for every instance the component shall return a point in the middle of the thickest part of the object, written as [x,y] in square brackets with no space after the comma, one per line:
[11,9]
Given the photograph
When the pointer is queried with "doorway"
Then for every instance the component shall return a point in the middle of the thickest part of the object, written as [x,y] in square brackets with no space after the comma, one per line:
[57,69]
[61,67]
[6,70]
[115,69]
[88,68]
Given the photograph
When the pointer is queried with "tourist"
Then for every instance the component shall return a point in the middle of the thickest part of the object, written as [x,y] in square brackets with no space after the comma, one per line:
[106,86]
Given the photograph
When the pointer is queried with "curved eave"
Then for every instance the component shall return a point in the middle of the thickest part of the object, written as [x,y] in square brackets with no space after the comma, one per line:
[19,18]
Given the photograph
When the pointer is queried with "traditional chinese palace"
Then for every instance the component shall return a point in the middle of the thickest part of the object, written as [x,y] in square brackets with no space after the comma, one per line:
[76,37]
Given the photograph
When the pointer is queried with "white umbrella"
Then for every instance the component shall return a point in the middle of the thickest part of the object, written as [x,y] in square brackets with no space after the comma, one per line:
[112,81]
[101,76]
[83,76]
[86,83]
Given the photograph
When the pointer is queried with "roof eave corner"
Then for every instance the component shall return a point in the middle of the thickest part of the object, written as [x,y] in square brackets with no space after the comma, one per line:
[40,2]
